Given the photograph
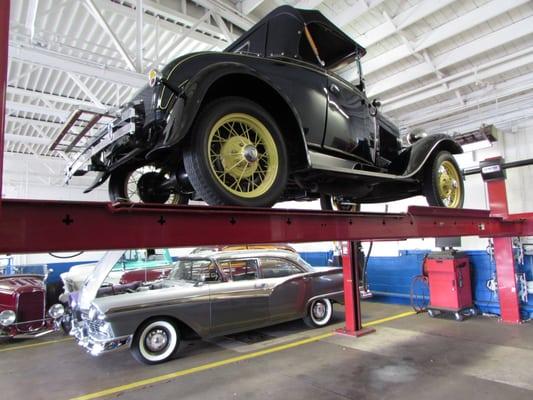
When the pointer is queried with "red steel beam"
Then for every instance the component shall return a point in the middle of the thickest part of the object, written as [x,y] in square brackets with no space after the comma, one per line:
[503,256]
[28,226]
[4,42]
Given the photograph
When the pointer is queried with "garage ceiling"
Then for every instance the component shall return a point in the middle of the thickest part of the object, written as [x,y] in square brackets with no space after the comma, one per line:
[442,65]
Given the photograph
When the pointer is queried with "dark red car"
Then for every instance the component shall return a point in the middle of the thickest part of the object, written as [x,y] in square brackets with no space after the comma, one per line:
[23,303]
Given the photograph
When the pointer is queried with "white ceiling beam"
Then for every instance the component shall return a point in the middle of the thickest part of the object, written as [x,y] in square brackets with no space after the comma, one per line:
[31,15]
[86,90]
[222,25]
[21,120]
[93,9]
[49,97]
[139,37]
[402,20]
[227,12]
[487,95]
[184,20]
[459,80]
[443,32]
[9,137]
[309,4]
[354,11]
[23,107]
[247,6]
[458,54]
[62,62]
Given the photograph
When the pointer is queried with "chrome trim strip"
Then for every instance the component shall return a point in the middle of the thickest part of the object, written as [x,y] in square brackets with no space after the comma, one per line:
[321,296]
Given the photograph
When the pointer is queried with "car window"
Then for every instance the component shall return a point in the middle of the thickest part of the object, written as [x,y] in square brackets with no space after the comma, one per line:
[240,270]
[195,271]
[278,268]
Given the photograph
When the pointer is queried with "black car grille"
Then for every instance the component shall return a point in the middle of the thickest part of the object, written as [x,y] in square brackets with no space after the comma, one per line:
[30,308]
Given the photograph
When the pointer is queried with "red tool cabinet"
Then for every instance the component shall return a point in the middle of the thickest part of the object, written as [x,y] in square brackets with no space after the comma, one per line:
[449,283]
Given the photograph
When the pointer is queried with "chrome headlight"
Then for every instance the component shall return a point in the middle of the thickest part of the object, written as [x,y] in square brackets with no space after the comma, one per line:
[56,311]
[7,317]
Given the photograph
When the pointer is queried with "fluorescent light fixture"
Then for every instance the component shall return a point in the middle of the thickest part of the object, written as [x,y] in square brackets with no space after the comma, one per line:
[483,144]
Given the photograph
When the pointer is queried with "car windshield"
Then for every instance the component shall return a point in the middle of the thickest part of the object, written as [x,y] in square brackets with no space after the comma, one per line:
[198,270]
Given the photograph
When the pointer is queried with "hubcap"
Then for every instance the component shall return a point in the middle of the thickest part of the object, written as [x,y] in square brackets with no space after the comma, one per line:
[319,310]
[243,155]
[156,340]
[449,187]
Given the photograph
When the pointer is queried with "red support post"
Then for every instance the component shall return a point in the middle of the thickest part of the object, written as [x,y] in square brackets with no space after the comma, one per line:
[503,254]
[4,43]
[352,301]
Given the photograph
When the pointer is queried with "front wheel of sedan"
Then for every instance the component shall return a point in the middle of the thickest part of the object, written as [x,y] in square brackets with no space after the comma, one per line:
[155,341]
[443,183]
[319,313]
[237,155]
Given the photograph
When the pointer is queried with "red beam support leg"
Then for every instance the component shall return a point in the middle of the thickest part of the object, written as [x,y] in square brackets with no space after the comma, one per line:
[352,303]
[503,252]
[4,42]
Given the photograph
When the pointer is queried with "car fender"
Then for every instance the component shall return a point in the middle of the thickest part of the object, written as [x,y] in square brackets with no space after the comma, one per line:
[187,102]
[424,149]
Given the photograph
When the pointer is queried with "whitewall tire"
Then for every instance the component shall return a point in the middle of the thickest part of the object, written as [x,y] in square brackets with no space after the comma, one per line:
[319,313]
[156,341]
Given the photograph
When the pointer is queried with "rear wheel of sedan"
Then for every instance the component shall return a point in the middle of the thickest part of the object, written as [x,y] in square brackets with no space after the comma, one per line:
[319,313]
[443,183]
[237,155]
[144,184]
[155,341]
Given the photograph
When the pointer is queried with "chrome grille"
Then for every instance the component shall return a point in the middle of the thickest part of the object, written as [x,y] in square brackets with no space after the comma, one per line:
[94,325]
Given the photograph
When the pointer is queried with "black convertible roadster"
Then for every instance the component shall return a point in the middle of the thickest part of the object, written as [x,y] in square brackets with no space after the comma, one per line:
[267,120]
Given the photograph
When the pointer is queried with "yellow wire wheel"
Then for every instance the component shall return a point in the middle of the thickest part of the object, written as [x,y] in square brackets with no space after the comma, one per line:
[449,186]
[243,155]
[443,183]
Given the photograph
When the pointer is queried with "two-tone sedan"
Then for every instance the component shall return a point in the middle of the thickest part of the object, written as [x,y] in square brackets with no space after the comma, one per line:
[203,296]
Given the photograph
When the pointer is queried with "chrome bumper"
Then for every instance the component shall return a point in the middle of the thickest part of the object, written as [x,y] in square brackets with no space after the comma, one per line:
[96,345]
[104,138]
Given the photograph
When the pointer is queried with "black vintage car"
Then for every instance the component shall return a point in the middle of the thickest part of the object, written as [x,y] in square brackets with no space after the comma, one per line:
[267,120]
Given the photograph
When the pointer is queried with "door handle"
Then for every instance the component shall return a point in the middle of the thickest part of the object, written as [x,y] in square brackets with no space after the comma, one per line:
[334,89]
[260,285]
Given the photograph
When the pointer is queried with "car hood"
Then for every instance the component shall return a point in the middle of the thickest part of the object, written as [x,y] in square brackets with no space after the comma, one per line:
[93,282]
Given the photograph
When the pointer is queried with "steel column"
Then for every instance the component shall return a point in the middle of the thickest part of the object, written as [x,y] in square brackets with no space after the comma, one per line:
[352,301]
[503,255]
[4,42]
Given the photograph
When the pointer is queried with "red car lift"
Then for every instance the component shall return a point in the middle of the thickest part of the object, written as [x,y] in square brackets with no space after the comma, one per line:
[42,226]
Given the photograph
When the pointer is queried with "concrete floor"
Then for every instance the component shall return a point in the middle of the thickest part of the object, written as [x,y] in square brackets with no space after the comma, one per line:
[411,357]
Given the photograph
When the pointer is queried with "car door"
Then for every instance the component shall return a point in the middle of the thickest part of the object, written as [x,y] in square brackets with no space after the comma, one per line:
[241,303]
[289,285]
[349,128]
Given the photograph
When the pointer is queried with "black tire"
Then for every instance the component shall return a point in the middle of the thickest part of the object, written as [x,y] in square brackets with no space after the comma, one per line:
[165,329]
[216,189]
[118,189]
[431,182]
[330,203]
[319,313]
